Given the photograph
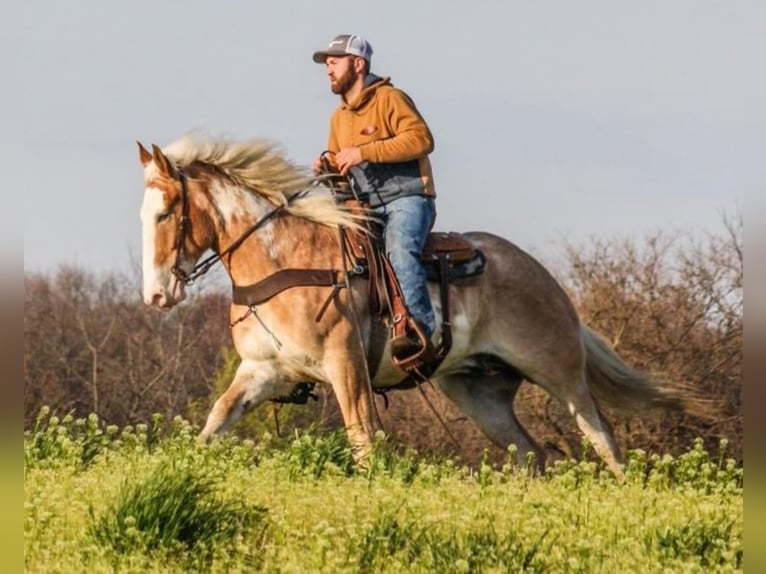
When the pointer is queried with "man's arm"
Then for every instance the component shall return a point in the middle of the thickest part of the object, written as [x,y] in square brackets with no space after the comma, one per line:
[412,139]
[332,139]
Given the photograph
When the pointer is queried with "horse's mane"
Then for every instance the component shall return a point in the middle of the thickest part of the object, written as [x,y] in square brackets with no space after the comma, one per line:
[261,167]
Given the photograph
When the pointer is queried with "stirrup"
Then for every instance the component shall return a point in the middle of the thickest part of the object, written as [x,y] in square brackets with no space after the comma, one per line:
[424,355]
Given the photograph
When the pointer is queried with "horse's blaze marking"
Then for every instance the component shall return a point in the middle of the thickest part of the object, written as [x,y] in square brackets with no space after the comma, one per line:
[154,204]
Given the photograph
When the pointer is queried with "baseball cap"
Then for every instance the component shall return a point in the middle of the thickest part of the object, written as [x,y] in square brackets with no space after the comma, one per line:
[345,45]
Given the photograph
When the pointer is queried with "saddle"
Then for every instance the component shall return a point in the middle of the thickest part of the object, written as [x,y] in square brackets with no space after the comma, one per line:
[446,256]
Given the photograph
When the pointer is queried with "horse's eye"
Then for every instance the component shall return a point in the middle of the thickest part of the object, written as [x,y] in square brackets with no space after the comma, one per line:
[163,217]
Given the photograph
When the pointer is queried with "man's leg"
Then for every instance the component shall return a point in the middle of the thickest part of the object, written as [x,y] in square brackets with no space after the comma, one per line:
[408,222]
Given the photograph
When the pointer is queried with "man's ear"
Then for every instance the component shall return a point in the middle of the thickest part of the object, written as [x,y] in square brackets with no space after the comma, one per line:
[359,64]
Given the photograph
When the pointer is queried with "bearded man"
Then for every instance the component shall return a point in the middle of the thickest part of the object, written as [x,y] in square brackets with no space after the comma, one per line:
[378,136]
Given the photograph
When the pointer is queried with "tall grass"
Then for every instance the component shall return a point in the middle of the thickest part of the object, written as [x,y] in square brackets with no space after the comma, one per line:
[175,509]
[152,498]
[391,539]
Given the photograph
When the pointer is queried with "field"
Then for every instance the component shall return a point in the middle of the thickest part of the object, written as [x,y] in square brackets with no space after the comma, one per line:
[152,499]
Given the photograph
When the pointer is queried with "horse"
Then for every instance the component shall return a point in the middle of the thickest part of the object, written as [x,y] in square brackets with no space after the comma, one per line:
[259,213]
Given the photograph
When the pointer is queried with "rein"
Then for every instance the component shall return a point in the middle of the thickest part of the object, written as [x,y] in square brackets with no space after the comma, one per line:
[204,266]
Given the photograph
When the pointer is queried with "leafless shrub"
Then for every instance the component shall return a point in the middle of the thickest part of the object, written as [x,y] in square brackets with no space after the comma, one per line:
[91,345]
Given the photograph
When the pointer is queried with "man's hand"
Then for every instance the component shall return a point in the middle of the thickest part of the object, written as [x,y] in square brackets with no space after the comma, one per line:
[347,158]
[316,166]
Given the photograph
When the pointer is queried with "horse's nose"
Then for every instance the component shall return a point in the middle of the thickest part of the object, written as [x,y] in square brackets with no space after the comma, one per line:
[157,297]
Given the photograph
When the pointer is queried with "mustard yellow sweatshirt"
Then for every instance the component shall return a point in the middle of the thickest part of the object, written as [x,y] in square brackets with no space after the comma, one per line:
[393,138]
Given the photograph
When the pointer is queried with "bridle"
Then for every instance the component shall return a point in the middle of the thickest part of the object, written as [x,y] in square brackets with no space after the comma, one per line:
[184,227]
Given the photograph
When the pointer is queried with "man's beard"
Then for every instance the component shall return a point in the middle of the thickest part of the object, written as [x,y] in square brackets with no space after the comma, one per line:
[343,83]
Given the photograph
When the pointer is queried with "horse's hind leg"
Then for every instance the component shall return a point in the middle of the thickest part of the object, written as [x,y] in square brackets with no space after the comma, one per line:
[487,397]
[254,383]
[594,426]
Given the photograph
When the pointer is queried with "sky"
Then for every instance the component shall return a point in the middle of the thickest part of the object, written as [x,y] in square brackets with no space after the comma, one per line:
[554,121]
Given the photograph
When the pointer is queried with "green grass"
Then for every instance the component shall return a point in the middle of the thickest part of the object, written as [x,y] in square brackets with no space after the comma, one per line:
[175,510]
[151,498]
[392,539]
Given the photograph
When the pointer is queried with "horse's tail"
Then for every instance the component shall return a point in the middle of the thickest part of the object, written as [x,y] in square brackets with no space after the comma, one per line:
[617,385]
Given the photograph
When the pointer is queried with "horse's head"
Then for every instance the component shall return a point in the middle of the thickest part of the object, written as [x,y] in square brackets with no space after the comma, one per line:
[169,246]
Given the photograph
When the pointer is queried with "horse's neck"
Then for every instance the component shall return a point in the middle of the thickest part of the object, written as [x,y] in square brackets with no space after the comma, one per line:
[285,241]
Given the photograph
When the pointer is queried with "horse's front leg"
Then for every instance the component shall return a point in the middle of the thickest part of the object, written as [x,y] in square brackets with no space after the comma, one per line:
[348,375]
[254,382]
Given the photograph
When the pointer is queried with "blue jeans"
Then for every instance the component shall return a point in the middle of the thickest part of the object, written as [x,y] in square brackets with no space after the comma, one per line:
[407,222]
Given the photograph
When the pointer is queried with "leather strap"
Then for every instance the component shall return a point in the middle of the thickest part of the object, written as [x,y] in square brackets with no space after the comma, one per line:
[283,279]
[399,311]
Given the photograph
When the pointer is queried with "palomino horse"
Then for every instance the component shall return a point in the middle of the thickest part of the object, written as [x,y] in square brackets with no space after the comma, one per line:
[260,214]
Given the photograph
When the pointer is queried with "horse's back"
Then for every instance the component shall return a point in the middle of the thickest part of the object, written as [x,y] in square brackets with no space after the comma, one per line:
[518,292]
[509,262]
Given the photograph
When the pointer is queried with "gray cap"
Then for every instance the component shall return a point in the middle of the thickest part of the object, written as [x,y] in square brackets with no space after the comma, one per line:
[345,45]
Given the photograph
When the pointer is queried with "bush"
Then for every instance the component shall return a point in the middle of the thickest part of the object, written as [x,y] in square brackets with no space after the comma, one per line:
[176,510]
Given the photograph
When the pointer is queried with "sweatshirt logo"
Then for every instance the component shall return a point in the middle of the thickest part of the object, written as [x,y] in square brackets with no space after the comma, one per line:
[369,130]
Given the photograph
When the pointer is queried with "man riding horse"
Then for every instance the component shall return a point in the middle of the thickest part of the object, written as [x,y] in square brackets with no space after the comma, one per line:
[294,316]
[378,137]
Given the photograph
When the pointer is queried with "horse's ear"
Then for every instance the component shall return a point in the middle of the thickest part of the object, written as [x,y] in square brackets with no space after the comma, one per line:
[143,154]
[161,160]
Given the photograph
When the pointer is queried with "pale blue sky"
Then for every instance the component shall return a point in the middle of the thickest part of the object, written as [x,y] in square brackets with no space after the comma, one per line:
[553,120]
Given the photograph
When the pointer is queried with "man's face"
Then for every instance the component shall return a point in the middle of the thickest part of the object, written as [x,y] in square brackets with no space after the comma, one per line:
[342,73]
